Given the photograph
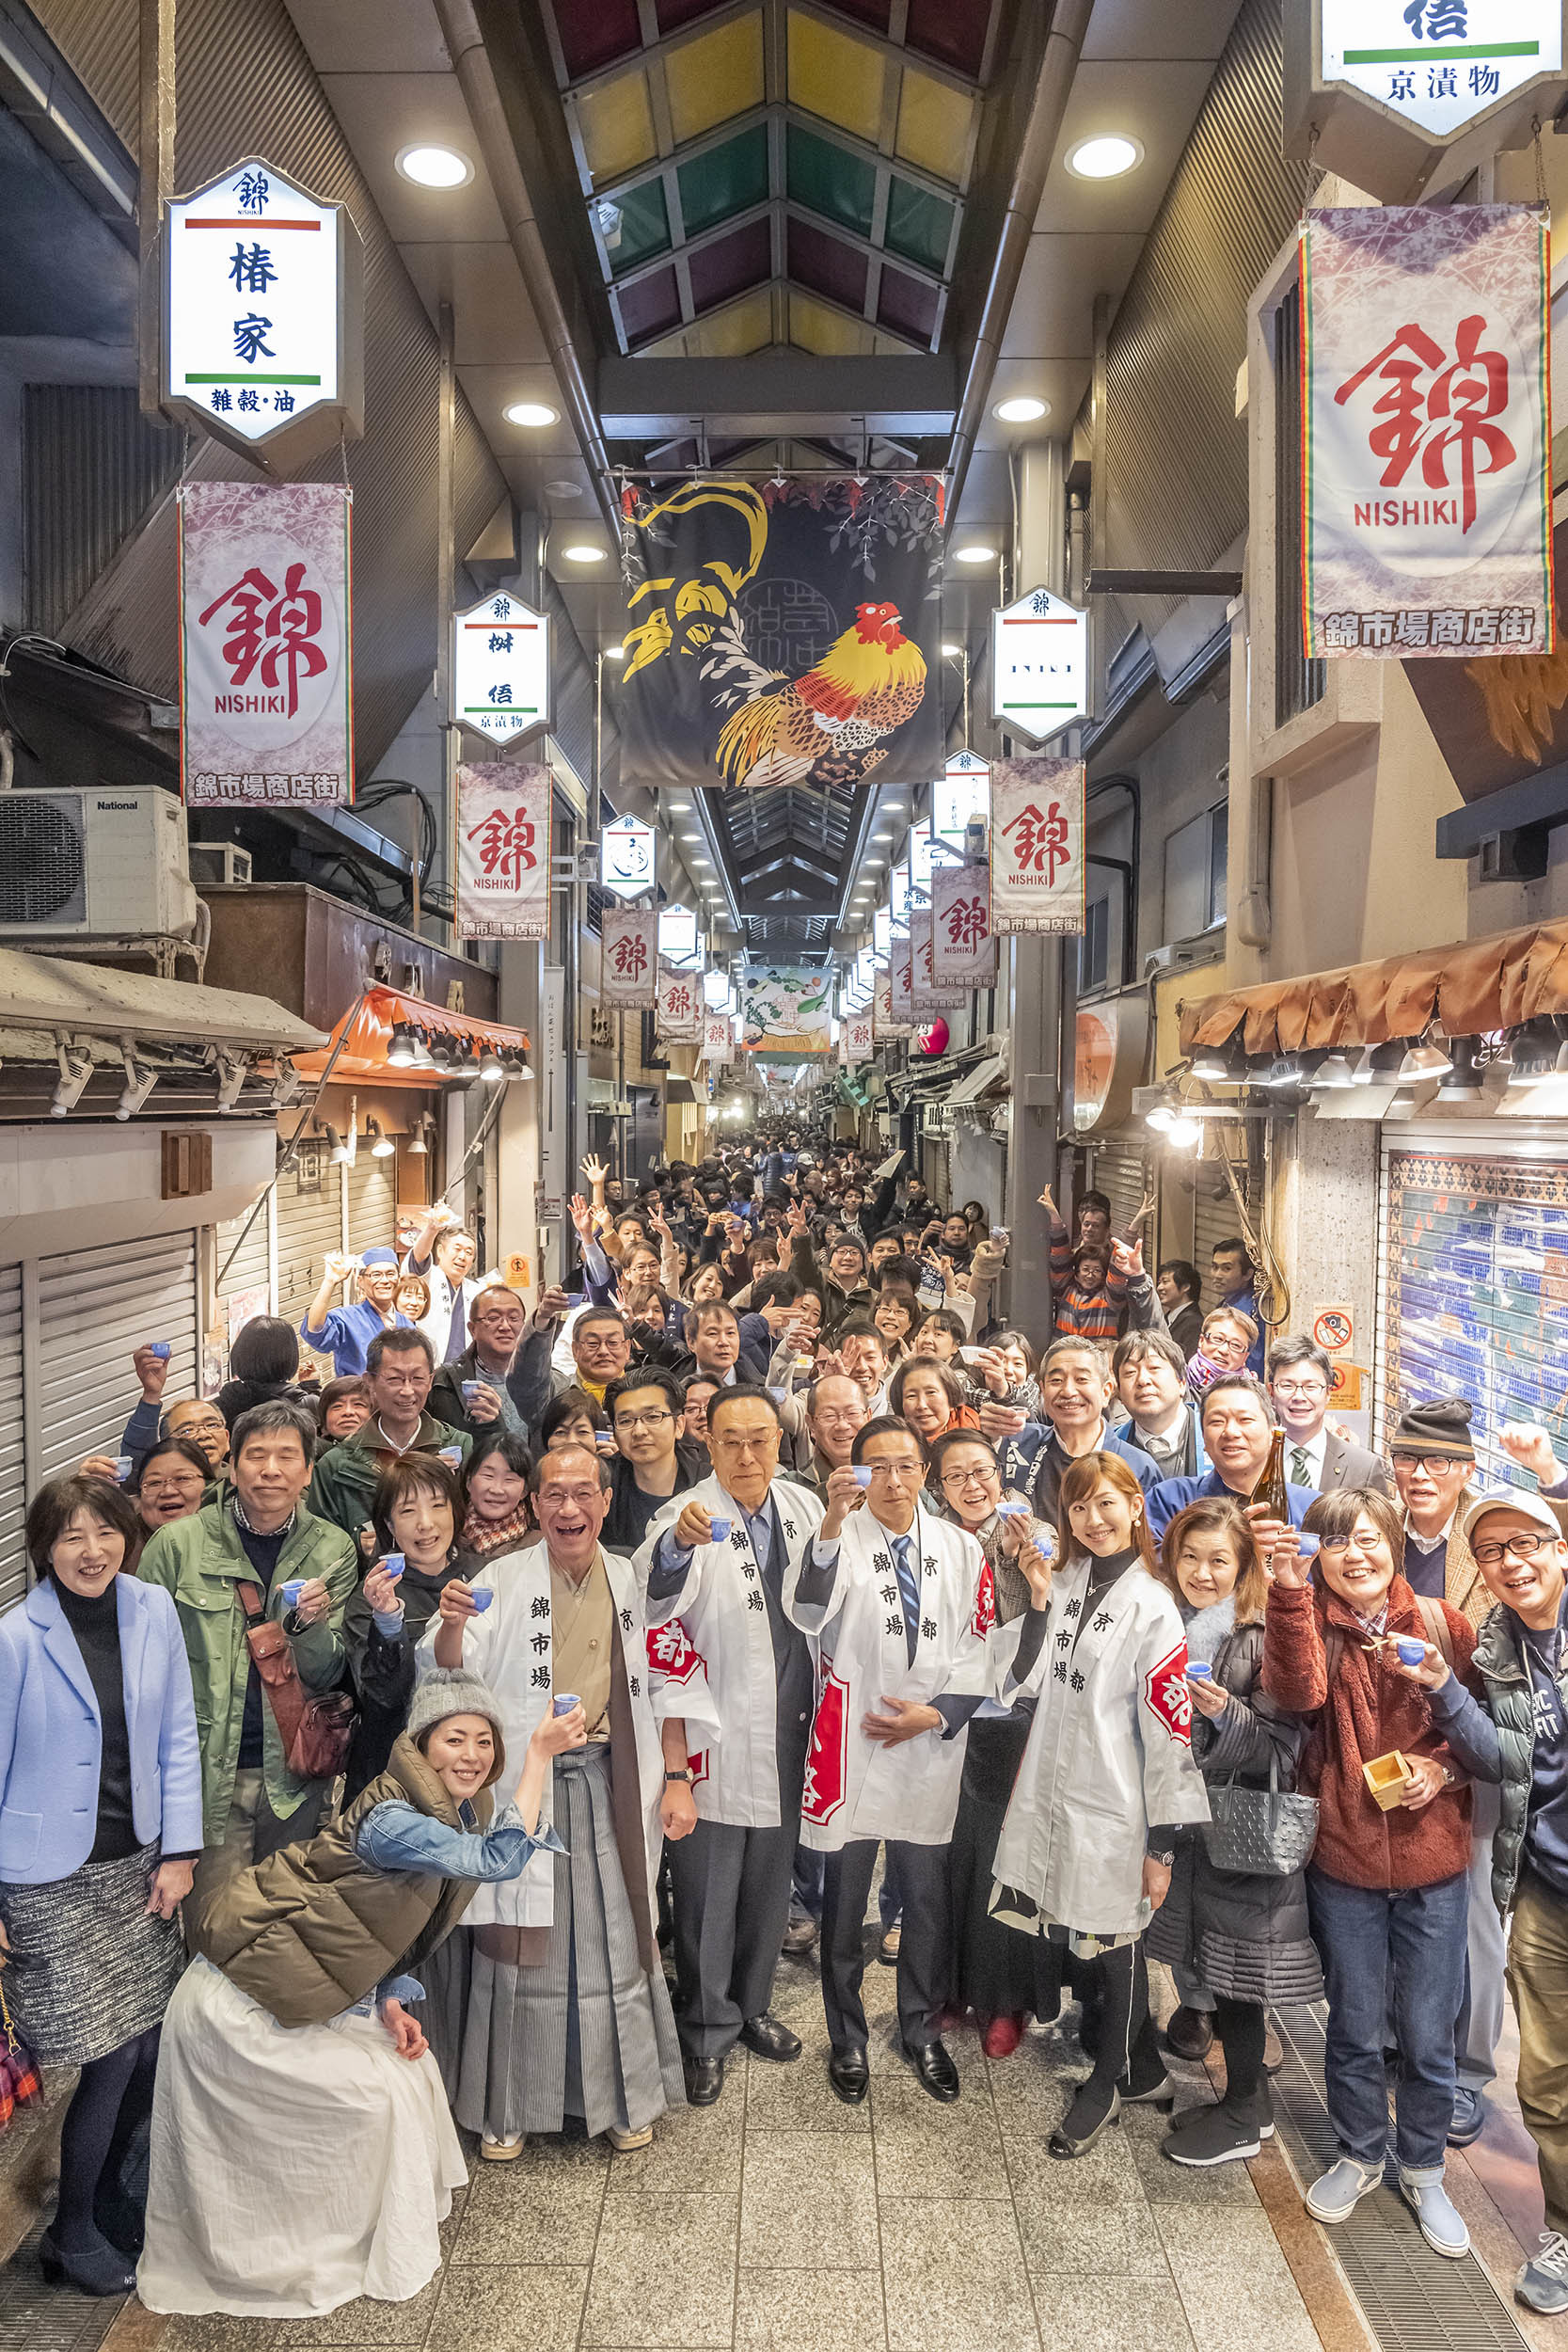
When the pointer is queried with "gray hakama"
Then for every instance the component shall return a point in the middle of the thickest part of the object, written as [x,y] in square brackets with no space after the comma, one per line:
[588,2031]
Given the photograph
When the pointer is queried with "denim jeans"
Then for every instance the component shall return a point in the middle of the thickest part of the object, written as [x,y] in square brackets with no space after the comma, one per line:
[1411,1943]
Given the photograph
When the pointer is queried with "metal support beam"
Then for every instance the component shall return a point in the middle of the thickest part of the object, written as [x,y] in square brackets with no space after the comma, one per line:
[1104,584]
[445,565]
[773,392]
[155,182]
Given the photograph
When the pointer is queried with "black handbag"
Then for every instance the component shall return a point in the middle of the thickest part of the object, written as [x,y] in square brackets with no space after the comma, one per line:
[1259,1833]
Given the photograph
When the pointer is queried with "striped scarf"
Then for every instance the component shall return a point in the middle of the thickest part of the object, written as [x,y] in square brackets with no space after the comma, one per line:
[483,1536]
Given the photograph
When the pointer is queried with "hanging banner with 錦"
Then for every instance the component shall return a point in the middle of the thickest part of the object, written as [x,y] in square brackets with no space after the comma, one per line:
[882,1021]
[679,1008]
[266,707]
[788,1014]
[503,851]
[929,994]
[783,632]
[856,1037]
[718,1039]
[1425,445]
[1036,846]
[963,948]
[901,983]
[628,959]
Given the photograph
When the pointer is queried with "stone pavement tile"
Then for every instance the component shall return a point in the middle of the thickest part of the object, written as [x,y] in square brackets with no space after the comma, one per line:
[1101,2314]
[1098,2236]
[954,2277]
[809,2201]
[362,2322]
[802,2311]
[526,2307]
[545,2206]
[925,2149]
[1235,2282]
[664,2274]
[799,2098]
[693,2150]
[1189,2184]
[1106,2172]
[215,2332]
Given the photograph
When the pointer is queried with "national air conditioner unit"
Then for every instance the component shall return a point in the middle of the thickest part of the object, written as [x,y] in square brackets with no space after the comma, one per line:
[108,861]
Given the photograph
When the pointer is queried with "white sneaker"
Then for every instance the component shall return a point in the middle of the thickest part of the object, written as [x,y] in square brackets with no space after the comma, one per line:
[1442,2224]
[1541,2283]
[1340,2189]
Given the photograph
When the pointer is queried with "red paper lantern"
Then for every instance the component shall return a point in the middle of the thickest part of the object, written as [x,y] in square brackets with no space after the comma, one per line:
[935,1040]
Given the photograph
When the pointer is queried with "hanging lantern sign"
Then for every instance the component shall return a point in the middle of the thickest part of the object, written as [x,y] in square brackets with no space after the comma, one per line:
[628,959]
[263,316]
[960,794]
[501,668]
[964,948]
[627,866]
[1040,665]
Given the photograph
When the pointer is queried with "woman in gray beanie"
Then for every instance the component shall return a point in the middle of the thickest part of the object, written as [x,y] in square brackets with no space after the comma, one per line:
[303,2152]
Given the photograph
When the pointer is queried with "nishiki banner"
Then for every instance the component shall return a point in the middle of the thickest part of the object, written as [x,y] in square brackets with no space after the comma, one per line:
[901,984]
[882,1022]
[1036,846]
[930,996]
[1426,489]
[964,948]
[855,1038]
[679,1009]
[786,1014]
[628,959]
[718,1039]
[266,713]
[503,851]
[783,632]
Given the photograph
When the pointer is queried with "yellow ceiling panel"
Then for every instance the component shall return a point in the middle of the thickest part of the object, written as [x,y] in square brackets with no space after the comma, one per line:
[716,76]
[617,125]
[746,326]
[933,125]
[813,327]
[832,74]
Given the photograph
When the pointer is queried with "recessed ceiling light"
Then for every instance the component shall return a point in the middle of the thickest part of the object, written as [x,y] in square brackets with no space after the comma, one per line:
[1106,157]
[615,653]
[580,552]
[532,413]
[975,553]
[691,837]
[1023,410]
[434,167]
[563,490]
[951,652]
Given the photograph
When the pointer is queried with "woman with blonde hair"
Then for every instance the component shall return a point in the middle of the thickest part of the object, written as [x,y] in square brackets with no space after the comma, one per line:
[1241,1938]
[1107,1778]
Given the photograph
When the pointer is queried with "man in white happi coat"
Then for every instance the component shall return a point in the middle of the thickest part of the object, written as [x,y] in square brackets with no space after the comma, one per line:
[718,1557]
[900,1606]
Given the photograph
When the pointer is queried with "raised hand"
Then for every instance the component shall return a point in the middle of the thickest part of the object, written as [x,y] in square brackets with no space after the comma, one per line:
[1128,1258]
[152,1371]
[595,1170]
[1527,1443]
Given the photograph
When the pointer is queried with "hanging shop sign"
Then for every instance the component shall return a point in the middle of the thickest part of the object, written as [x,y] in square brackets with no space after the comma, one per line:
[679,1008]
[963,947]
[901,984]
[960,797]
[627,866]
[928,855]
[1036,863]
[262,324]
[855,1037]
[882,934]
[503,851]
[929,994]
[787,1013]
[501,668]
[717,1039]
[678,935]
[1392,92]
[1040,665]
[266,709]
[628,959]
[882,1021]
[1426,484]
[783,632]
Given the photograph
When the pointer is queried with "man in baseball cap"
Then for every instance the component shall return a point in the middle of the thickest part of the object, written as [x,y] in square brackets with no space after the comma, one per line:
[1516,1738]
[346,1332]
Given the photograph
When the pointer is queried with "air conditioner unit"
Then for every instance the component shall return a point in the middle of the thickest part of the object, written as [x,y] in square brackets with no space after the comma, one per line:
[218,861]
[104,863]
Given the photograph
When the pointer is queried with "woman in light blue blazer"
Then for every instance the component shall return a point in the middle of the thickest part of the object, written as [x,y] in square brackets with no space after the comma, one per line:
[99,1828]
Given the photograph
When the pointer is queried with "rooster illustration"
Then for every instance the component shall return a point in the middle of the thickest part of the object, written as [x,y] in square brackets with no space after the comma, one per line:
[826,726]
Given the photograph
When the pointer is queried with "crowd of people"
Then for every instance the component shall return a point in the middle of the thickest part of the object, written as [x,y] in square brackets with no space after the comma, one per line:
[782,1582]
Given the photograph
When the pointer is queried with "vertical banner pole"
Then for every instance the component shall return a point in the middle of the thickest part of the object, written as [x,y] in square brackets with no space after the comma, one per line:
[156,185]
[445,565]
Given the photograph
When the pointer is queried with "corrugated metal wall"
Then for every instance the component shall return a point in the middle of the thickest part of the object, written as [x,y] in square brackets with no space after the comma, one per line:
[1175,453]
[91,466]
[245,84]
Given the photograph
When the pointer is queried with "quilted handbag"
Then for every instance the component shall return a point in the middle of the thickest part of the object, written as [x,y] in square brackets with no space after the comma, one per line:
[1259,1833]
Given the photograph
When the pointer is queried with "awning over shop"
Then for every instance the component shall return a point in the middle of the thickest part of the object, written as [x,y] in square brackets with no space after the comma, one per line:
[364,1033]
[978,1082]
[1466,990]
[102,1000]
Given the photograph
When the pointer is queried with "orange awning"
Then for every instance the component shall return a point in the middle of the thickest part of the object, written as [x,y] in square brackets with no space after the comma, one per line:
[366,1031]
[1464,990]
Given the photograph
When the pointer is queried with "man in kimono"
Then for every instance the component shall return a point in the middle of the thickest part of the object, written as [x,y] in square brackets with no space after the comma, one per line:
[718,1557]
[900,1605]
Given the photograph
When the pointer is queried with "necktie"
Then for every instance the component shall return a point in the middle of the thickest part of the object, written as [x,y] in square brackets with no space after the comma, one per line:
[1301,1468]
[908,1589]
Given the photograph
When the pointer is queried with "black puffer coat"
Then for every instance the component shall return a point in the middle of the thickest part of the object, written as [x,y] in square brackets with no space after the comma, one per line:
[1244,1935]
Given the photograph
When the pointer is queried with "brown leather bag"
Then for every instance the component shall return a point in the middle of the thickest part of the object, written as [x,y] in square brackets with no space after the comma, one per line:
[315,1729]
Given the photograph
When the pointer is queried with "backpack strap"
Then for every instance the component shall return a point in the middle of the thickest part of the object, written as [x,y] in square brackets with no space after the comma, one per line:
[1435,1624]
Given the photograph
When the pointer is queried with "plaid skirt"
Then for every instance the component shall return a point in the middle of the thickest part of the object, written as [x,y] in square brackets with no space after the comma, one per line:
[91,1968]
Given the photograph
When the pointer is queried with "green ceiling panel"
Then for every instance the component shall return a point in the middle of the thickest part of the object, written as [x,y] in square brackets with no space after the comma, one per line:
[645,226]
[918,225]
[724,181]
[831,180]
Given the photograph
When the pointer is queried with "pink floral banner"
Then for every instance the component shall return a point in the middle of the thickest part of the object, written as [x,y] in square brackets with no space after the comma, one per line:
[1036,846]
[266,670]
[963,948]
[628,959]
[1426,475]
[503,851]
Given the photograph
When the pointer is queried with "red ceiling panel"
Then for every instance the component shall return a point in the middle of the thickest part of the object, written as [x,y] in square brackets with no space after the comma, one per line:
[650,305]
[827,265]
[952,31]
[594,33]
[730,264]
[906,305]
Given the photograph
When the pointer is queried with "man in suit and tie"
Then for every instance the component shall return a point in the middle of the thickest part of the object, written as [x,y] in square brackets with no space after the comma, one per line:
[1300,1378]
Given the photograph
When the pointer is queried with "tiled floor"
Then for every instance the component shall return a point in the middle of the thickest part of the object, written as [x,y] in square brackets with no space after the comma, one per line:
[781,2221]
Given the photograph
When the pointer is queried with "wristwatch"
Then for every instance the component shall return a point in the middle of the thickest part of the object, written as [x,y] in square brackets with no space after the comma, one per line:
[685,1774]
[1166,1861]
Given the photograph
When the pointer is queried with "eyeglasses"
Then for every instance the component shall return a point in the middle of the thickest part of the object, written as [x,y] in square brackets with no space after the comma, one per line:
[583,1497]
[893,1469]
[953,1480]
[1433,1464]
[1307,1392]
[642,1420]
[1335,1545]
[1524,1545]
